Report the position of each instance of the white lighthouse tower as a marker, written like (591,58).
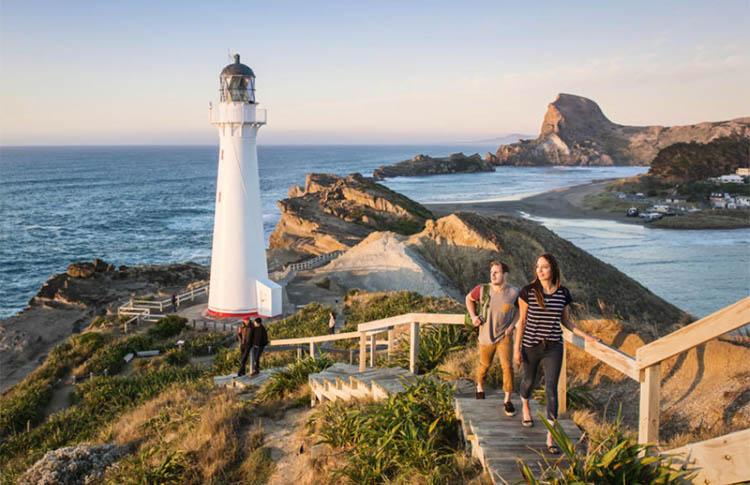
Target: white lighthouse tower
(239,274)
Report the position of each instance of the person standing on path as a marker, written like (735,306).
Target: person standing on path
(544,305)
(174,303)
(259,340)
(493,308)
(244,336)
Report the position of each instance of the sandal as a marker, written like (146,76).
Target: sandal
(553,449)
(527,423)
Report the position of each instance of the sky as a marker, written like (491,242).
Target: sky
(359,72)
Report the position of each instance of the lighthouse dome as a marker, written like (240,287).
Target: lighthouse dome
(237,83)
(237,69)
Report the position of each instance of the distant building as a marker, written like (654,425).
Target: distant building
(718,200)
(675,200)
(742,202)
(743,172)
(731,179)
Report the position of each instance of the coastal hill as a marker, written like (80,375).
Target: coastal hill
(688,162)
(426,165)
(575,131)
(332,213)
(453,249)
(450,256)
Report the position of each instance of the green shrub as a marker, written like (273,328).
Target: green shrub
(412,435)
(616,459)
(363,307)
(110,357)
(200,344)
(166,327)
(310,320)
(177,357)
(292,377)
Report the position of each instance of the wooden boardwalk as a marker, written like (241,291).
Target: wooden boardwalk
(498,441)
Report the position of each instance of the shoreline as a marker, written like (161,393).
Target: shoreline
(561,203)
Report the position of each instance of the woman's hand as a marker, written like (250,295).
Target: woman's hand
(517,357)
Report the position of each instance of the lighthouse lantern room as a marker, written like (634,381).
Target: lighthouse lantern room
(239,274)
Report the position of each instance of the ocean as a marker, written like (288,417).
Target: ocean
(154,204)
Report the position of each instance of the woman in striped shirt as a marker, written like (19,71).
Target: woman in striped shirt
(543,308)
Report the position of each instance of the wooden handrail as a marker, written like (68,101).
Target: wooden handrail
(609,355)
(315,339)
(718,323)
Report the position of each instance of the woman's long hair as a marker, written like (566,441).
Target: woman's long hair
(536,285)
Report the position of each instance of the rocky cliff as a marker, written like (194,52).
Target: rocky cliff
(332,213)
(575,131)
(426,165)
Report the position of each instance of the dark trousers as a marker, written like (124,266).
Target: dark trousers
(549,355)
(257,350)
(245,351)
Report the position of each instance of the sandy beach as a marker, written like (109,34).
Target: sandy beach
(564,203)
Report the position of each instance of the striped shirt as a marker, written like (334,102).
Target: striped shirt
(544,323)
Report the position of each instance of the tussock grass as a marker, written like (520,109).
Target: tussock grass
(411,437)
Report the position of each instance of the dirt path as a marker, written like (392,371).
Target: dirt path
(284,438)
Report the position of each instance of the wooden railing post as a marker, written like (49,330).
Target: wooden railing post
(362,351)
(648,423)
(562,383)
(312,349)
(372,350)
(413,346)
(391,333)
(299,353)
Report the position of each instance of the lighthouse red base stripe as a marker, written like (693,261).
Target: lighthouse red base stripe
(217,314)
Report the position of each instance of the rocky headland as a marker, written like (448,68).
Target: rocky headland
(426,165)
(67,302)
(575,131)
(332,213)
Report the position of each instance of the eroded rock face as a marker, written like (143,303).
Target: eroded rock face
(426,165)
(575,131)
(332,213)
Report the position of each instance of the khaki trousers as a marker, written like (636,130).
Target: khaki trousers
(487,352)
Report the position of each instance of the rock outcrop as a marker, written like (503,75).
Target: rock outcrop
(575,131)
(68,301)
(332,213)
(426,165)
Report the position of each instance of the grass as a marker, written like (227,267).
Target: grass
(435,344)
(311,320)
(365,307)
(289,379)
(96,402)
(411,437)
(617,458)
(23,406)
(707,219)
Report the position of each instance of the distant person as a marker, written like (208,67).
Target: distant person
(331,323)
(259,341)
(174,303)
(244,336)
(493,308)
(544,305)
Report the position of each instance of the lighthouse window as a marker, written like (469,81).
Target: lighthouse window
(222,155)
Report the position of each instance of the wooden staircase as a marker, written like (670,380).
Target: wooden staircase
(498,441)
(345,381)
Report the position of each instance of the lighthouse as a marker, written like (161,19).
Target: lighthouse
(239,274)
